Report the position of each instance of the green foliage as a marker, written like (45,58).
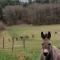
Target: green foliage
(9,2)
(1,13)
(30,1)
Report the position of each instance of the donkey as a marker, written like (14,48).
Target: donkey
(49,52)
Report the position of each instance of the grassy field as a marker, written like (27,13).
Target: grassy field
(32,48)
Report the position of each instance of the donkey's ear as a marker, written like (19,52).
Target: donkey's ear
(49,35)
(42,35)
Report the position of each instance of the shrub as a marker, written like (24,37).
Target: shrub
(2,26)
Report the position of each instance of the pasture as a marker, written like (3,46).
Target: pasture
(32,48)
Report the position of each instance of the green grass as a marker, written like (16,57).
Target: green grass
(32,45)
(7,56)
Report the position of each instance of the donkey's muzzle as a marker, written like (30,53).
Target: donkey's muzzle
(45,54)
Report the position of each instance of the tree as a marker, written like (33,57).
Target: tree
(38,1)
(30,1)
(54,1)
(1,12)
(46,1)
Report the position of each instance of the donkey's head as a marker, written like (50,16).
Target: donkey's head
(46,43)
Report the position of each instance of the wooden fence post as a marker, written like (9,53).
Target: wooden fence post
(24,43)
(3,42)
(12,44)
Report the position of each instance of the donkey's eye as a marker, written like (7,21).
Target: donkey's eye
(49,44)
(42,43)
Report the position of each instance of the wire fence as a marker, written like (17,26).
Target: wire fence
(19,44)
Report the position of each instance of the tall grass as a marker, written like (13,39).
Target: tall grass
(7,56)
